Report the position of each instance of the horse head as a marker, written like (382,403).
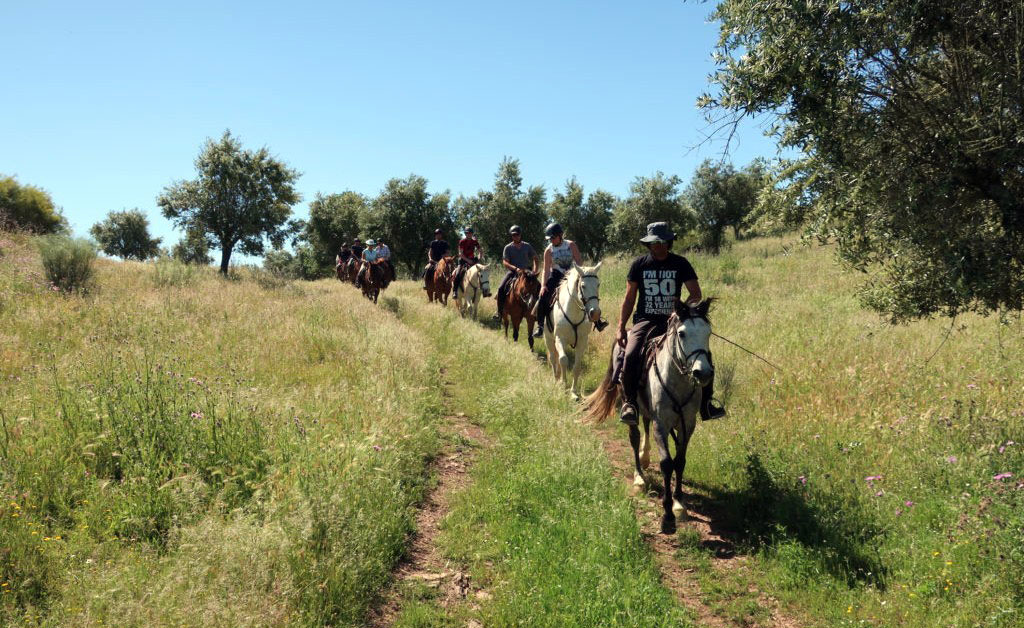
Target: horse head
(590,287)
(528,287)
(484,272)
(692,337)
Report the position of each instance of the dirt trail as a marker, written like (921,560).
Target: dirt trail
(424,562)
(716,537)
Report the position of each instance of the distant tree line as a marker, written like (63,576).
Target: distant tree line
(241,200)
(405,213)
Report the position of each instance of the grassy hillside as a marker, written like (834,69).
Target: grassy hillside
(180,449)
(869,481)
(206,453)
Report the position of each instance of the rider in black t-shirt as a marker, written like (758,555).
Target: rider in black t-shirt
(357,248)
(436,249)
(654,284)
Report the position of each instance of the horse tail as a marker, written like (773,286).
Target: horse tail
(598,405)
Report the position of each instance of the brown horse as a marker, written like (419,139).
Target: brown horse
(352,270)
(439,285)
(371,280)
(519,304)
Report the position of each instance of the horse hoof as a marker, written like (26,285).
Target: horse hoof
(575,397)
(645,462)
(638,480)
(668,524)
(678,510)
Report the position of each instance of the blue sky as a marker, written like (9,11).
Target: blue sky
(106,103)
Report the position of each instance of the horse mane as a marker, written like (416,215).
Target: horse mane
(674,321)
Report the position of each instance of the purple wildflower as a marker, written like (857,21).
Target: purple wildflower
(376,448)
(972,386)
(872,478)
(803,479)
(1002,476)
(879,493)
(951,459)
(196,415)
(908,504)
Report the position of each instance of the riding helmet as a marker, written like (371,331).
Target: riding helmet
(437,231)
(552,230)
(514,229)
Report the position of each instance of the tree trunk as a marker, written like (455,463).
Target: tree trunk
(225,257)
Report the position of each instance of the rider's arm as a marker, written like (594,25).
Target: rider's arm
(628,302)
(533,262)
(575,253)
(547,264)
(694,287)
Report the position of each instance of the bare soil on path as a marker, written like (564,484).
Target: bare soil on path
(423,562)
(717,537)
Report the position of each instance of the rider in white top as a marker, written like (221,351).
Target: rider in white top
(559,257)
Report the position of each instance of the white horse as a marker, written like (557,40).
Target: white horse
(476,283)
(575,307)
(670,397)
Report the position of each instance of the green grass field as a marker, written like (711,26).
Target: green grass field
(181,449)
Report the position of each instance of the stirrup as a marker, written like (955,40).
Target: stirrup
(627,414)
(539,332)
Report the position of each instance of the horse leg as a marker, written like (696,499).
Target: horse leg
(530,322)
(563,361)
(550,341)
(577,364)
(645,444)
(678,500)
(635,441)
(668,518)
(515,327)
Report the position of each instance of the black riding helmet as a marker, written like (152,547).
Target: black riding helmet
(514,229)
(552,230)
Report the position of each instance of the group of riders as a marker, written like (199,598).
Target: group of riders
(365,256)
(654,285)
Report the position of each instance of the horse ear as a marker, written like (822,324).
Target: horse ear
(596,267)
(681,307)
(702,309)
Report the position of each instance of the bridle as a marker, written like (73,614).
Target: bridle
(480,283)
(576,295)
(684,368)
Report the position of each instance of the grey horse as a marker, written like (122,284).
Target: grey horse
(678,365)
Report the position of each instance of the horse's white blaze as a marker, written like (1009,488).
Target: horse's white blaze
(575,304)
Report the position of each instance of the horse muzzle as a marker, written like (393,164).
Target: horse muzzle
(594,315)
(702,375)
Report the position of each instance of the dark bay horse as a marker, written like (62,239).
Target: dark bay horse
(371,280)
(352,270)
(519,304)
(439,284)
(678,364)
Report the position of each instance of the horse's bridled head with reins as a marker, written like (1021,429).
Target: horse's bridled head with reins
(690,331)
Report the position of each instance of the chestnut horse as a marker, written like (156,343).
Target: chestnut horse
(439,285)
(519,304)
(371,280)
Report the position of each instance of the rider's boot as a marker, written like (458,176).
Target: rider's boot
(539,332)
(709,410)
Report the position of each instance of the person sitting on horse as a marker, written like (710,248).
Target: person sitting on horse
(344,255)
(371,255)
(516,256)
(559,257)
(469,246)
(357,248)
(384,259)
(436,250)
(654,285)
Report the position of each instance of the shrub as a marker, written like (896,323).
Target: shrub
(68,262)
(168,271)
